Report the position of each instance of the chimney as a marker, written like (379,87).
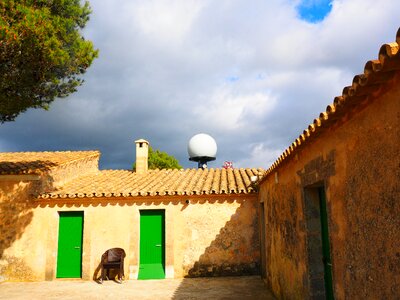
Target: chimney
(142,156)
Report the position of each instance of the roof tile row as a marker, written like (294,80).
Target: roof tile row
(123,183)
(18,163)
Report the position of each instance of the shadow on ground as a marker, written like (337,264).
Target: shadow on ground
(232,288)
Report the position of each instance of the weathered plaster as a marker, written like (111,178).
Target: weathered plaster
(209,236)
(358,162)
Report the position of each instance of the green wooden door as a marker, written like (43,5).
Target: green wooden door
(152,244)
(69,258)
(326,255)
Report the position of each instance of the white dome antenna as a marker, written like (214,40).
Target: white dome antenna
(202,148)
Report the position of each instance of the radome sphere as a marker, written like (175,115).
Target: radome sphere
(202,146)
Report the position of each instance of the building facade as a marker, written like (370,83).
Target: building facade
(330,210)
(59,214)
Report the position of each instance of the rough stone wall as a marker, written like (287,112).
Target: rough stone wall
(358,161)
(210,236)
(220,238)
(284,239)
(22,256)
(372,191)
(16,213)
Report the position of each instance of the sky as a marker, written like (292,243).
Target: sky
(252,74)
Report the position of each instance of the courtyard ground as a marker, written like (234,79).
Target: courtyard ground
(232,288)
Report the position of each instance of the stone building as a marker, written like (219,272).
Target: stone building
(330,209)
(203,222)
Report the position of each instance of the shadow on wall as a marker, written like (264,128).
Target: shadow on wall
(235,250)
(15,212)
(15,215)
(230,258)
(103,202)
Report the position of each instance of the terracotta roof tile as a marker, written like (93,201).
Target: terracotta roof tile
(239,181)
(377,74)
(17,163)
(215,183)
(192,182)
(121,183)
(208,181)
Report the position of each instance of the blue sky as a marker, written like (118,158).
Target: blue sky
(253,76)
(314,10)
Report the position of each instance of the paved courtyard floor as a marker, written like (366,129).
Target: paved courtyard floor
(247,287)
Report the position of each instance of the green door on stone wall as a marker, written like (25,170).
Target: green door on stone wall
(69,258)
(326,255)
(152,244)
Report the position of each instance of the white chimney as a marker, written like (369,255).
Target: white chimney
(142,156)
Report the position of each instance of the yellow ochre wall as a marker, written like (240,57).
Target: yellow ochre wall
(358,161)
(209,236)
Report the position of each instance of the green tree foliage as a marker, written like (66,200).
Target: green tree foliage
(161,160)
(42,52)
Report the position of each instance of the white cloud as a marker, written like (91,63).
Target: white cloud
(259,156)
(229,110)
(166,21)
